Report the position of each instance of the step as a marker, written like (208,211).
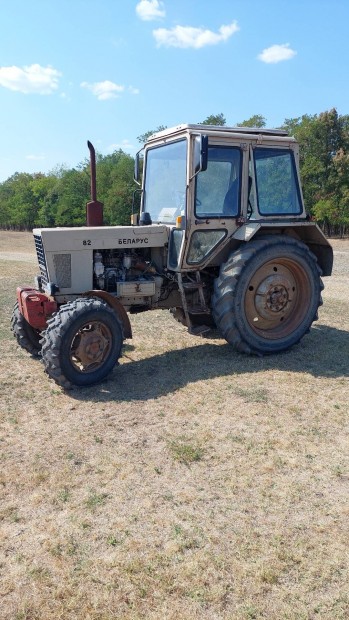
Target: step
(199,330)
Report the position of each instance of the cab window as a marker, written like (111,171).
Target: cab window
(276,182)
(217,191)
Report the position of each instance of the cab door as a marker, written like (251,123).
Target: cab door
(216,199)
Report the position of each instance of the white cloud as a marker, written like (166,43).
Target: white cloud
(30,79)
(277,53)
(187,36)
(35,157)
(104,90)
(124,145)
(133,90)
(149,10)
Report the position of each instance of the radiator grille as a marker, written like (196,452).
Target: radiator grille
(41,258)
(62,265)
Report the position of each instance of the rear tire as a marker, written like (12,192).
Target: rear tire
(267,295)
(82,343)
(27,337)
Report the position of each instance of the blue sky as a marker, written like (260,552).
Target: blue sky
(109,70)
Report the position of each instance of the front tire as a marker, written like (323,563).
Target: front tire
(267,295)
(82,343)
(27,337)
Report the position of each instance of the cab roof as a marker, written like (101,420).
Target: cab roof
(214,129)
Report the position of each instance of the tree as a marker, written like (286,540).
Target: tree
(144,136)
(324,145)
(43,189)
(116,186)
(255,121)
(6,192)
(20,203)
(215,119)
(59,197)
(73,192)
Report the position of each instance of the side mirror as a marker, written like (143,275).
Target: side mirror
(200,154)
(137,168)
(204,153)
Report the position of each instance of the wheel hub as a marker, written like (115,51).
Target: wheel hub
(273,295)
(93,343)
(277,298)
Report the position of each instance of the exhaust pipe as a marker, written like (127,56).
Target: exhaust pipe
(94,208)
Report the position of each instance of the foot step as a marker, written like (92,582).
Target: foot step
(199,330)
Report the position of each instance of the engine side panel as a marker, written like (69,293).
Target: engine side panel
(70,254)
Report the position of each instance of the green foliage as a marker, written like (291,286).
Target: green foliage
(5,208)
(59,197)
(215,119)
(115,187)
(43,188)
(72,194)
(324,164)
(145,136)
(18,203)
(255,121)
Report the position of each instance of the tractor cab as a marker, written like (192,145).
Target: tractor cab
(209,182)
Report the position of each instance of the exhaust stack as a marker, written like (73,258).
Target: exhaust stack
(94,208)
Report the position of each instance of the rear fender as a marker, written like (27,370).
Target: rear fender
(306,231)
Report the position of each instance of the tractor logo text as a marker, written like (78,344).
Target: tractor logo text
(133,241)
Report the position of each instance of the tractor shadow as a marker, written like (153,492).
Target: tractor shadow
(322,353)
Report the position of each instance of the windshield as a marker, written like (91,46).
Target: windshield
(165,182)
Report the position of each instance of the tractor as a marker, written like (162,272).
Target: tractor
(222,239)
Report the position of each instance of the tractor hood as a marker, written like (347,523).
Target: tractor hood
(102,237)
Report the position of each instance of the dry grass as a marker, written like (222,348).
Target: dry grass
(196,483)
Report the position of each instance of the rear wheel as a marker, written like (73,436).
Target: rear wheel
(82,343)
(27,337)
(267,295)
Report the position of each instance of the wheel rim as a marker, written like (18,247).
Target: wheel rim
(91,346)
(277,298)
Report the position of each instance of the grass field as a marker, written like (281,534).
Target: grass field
(195,483)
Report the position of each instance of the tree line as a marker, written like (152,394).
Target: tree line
(58,198)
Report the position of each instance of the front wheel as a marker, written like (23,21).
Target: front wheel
(27,337)
(82,343)
(267,295)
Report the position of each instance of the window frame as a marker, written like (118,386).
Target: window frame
(239,177)
(295,177)
(207,231)
(161,146)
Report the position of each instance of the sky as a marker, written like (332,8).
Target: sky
(110,70)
